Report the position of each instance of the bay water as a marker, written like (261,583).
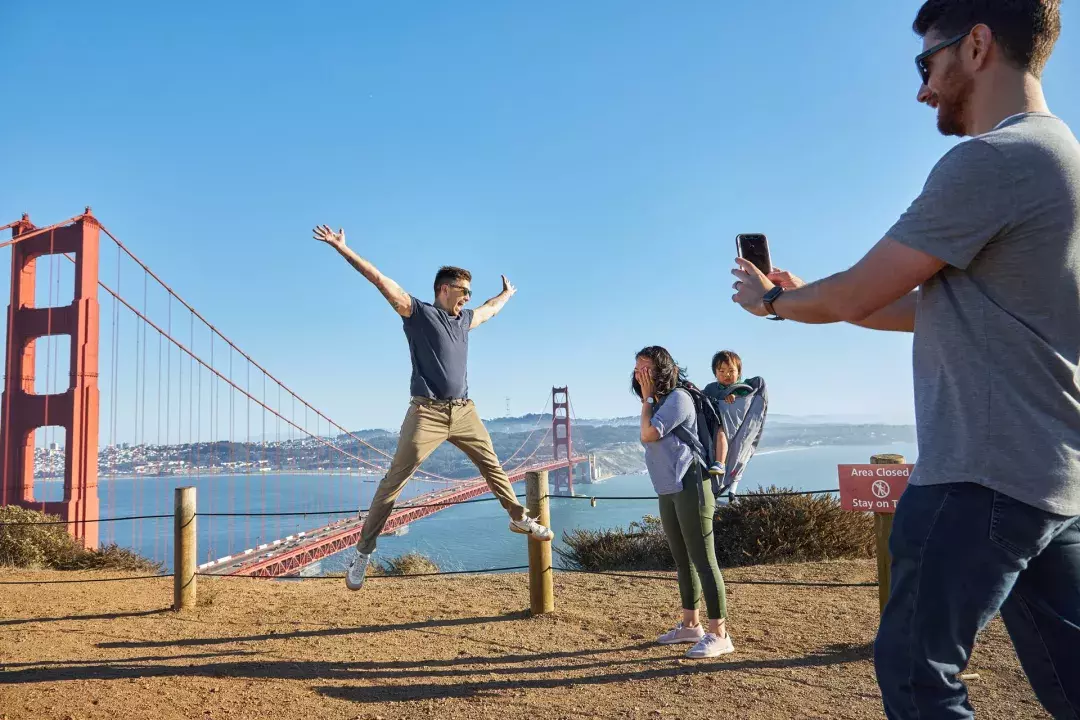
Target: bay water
(462,537)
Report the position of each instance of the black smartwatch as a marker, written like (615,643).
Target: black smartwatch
(769,299)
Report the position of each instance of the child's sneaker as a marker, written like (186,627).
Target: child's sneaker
(681,634)
(711,646)
(717,468)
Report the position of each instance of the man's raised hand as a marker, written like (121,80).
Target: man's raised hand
(323,233)
(508,289)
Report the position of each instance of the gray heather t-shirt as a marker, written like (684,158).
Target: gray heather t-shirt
(669,458)
(439,348)
(997,331)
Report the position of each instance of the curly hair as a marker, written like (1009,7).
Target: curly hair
(667,374)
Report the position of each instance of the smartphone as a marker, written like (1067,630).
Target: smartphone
(754,247)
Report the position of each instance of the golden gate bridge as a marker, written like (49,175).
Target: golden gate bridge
(152,368)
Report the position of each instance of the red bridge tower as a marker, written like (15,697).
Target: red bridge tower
(22,411)
(560,438)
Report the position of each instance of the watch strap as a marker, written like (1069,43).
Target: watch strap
(768,300)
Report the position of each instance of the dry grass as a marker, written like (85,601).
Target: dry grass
(50,546)
(460,648)
(412,563)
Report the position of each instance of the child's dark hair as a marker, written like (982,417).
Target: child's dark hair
(726,356)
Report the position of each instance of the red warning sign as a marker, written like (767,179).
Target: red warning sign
(872,488)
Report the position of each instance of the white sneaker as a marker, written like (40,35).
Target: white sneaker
(529,526)
(354,579)
(711,646)
(681,634)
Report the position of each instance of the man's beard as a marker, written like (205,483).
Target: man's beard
(953,104)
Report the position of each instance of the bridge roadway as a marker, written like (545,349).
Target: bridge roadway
(286,557)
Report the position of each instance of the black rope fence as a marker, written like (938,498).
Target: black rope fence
(83,580)
(638,576)
(479,571)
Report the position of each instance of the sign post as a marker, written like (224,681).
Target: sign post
(876,488)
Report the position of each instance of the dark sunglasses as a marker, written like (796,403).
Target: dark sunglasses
(921,58)
(463,290)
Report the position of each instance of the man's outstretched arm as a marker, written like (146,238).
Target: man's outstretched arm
(492,307)
(400,300)
(876,292)
(896,317)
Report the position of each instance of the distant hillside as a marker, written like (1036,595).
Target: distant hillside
(615,440)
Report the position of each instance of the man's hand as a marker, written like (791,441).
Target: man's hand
(750,287)
(336,240)
(492,307)
(785,279)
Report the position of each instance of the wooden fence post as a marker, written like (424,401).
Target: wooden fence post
(184,549)
(541,587)
(882,530)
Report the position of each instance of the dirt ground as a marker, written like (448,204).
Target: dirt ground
(452,647)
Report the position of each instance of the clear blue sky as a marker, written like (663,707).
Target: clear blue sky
(601,154)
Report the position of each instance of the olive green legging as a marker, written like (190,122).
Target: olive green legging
(689,528)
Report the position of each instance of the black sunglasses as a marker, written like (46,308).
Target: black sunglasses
(462,289)
(921,58)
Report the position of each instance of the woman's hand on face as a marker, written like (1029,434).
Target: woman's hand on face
(646,382)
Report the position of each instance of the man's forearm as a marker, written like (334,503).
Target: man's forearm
(390,290)
(895,317)
(824,301)
(833,300)
(495,304)
(363,266)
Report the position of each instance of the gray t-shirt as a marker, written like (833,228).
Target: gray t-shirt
(439,348)
(997,331)
(669,458)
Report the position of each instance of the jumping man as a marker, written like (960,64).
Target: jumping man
(440,410)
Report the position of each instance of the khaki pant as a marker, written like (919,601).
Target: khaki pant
(428,424)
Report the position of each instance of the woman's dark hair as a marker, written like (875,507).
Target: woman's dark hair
(667,374)
(726,356)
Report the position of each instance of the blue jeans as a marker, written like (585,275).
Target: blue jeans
(961,553)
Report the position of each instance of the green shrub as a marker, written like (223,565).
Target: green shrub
(51,547)
(755,529)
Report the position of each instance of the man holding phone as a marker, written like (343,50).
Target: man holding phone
(440,411)
(984,269)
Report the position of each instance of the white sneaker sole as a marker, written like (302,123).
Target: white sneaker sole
(353,586)
(726,651)
(693,641)
(519,531)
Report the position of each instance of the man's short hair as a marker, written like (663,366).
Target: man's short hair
(450,274)
(1026,30)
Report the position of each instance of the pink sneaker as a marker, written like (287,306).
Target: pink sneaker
(682,635)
